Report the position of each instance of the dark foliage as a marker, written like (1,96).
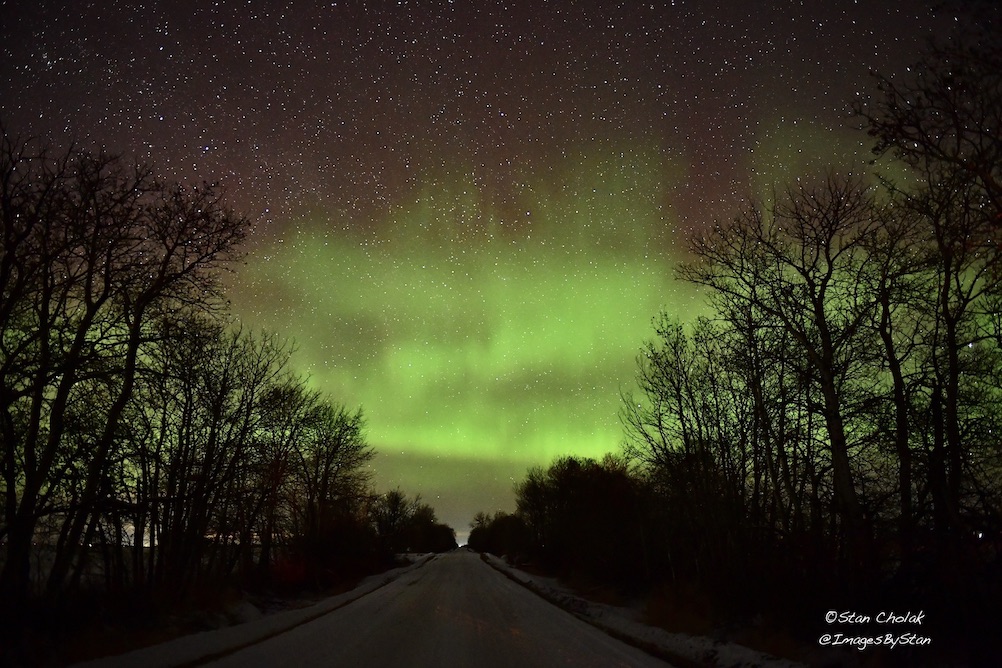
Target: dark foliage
(503,534)
(407,525)
(584,518)
(578,517)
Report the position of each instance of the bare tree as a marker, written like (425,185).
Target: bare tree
(330,475)
(92,249)
(804,264)
(392,514)
(942,120)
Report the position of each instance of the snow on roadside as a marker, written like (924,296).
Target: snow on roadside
(677,647)
(201,647)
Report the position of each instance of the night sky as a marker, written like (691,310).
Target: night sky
(466,214)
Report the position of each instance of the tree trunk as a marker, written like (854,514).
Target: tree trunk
(902,433)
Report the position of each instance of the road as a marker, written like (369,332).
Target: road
(453,611)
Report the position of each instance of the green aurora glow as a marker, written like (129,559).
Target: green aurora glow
(467,329)
(483,335)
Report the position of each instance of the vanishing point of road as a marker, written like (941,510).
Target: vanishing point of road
(453,611)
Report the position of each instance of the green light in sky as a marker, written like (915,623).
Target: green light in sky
(481,329)
(788,149)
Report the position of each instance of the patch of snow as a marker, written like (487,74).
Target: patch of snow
(202,647)
(622,623)
(242,612)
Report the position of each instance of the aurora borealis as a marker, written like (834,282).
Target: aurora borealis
(482,340)
(466,213)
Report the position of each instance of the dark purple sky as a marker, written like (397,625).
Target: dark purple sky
(347,105)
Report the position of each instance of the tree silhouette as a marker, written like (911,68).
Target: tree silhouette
(802,263)
(942,121)
(408,525)
(93,250)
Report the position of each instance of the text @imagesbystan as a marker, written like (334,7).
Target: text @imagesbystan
(865,635)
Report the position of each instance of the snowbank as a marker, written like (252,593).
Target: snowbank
(678,648)
(201,647)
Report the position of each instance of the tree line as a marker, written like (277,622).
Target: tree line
(830,431)
(151,446)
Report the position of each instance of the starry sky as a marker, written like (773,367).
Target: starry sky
(466,213)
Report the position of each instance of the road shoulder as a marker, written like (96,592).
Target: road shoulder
(199,648)
(679,649)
